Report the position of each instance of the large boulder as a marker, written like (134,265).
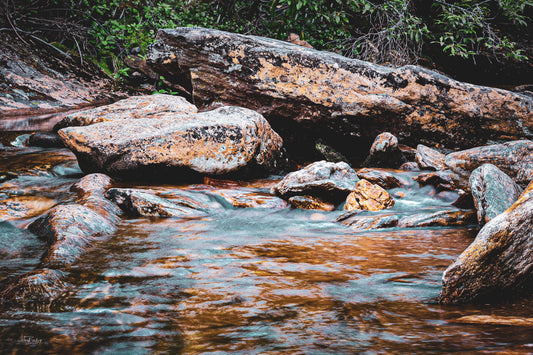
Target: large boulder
(513,158)
(346,101)
(330,181)
(499,263)
(222,141)
(148,106)
(493,192)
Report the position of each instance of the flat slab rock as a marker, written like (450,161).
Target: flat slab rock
(143,203)
(147,106)
(498,265)
(217,142)
(326,180)
(348,97)
(443,217)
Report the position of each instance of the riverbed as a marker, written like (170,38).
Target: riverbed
(263,279)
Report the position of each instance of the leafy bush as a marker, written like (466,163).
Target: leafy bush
(384,31)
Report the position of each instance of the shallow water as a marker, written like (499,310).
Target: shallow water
(244,280)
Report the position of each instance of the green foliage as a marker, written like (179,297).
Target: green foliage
(384,31)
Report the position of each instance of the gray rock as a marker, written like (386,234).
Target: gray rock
(143,203)
(330,181)
(493,192)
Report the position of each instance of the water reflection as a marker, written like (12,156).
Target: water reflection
(244,280)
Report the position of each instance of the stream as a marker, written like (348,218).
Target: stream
(269,279)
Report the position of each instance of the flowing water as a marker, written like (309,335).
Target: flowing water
(241,280)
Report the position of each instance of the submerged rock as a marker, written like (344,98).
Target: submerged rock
(428,158)
(36,289)
(143,203)
(329,96)
(135,107)
(310,203)
(499,263)
(330,181)
(70,230)
(493,192)
(443,217)
(513,158)
(222,141)
(244,199)
(369,197)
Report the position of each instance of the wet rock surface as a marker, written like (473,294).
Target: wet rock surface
(310,203)
(36,80)
(348,99)
(218,142)
(243,199)
(513,158)
(498,264)
(135,107)
(330,181)
(447,216)
(428,158)
(144,203)
(493,192)
(368,197)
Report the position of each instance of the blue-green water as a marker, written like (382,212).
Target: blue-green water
(242,280)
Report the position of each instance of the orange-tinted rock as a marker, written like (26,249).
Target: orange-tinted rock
(295,39)
(135,107)
(369,197)
(142,203)
(498,263)
(13,206)
(345,99)
(310,203)
(330,181)
(493,192)
(379,177)
(428,158)
(513,158)
(223,141)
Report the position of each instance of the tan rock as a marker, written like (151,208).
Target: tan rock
(310,203)
(369,197)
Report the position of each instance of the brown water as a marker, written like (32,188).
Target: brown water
(242,280)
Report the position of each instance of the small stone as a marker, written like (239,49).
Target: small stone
(409,166)
(428,158)
(384,152)
(379,177)
(45,140)
(369,197)
(310,203)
